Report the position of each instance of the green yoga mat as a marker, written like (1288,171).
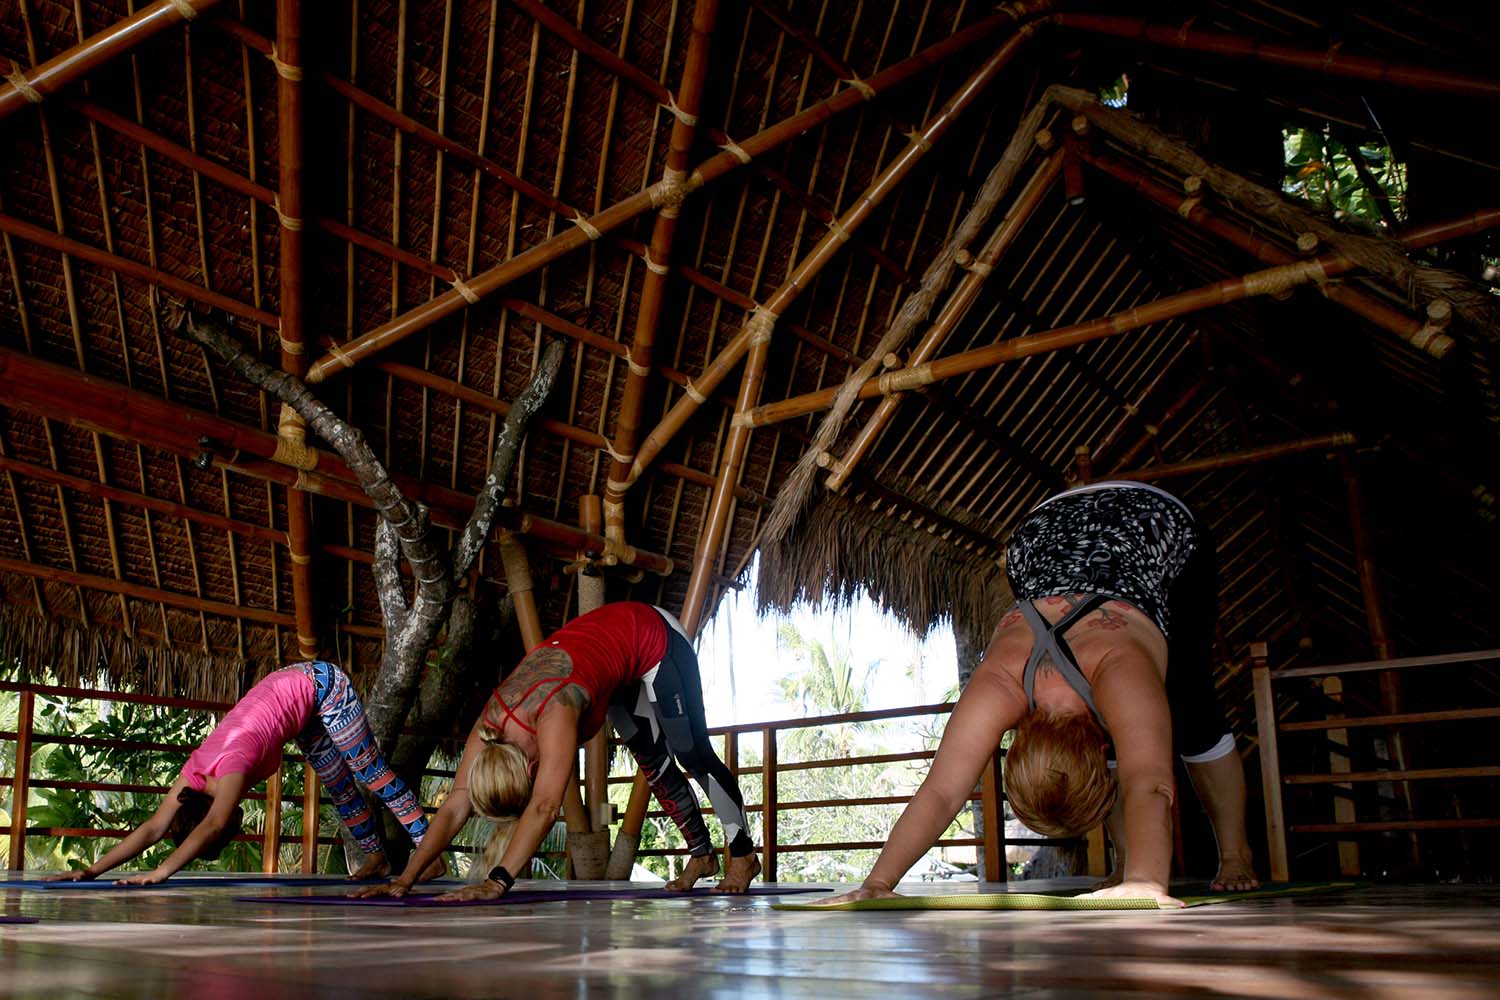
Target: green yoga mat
(1036,901)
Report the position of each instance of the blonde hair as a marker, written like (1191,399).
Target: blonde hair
(1056,777)
(499,780)
(499,788)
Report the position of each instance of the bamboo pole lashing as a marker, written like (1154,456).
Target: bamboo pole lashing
(1427,337)
(658,260)
(757,331)
(979,269)
(23,88)
(1263,282)
(622,212)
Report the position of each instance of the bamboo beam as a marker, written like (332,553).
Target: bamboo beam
(1323,442)
(1379,255)
(1152,431)
(658,266)
(26,87)
(93,487)
(1332,61)
(585,229)
(1420,335)
(289,214)
(1219,293)
(141,272)
(957,307)
(110,585)
(755,336)
(93,403)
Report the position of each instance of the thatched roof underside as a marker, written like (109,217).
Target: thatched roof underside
(444,139)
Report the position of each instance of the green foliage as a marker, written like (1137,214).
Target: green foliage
(1322,170)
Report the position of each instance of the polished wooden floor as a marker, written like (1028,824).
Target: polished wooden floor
(1407,942)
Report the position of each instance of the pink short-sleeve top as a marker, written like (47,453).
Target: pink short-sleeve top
(248,739)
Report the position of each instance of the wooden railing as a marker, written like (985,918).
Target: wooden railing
(1340,775)
(26,738)
(770,807)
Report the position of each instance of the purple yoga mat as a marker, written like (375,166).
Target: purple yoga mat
(17,920)
(523,896)
(105,885)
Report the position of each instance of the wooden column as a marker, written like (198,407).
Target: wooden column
(596,751)
(518,582)
(992,795)
(21,783)
(310,817)
(768,806)
(270,839)
(1270,763)
(1380,640)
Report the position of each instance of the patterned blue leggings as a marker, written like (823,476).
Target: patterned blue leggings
(339,740)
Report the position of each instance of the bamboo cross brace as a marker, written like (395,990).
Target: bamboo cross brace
(1381,256)
(24,88)
(956,308)
(1264,282)
(598,225)
(754,337)
(1414,332)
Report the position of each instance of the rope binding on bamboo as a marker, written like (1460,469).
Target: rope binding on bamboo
(17,78)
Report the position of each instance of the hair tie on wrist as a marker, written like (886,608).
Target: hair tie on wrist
(500,874)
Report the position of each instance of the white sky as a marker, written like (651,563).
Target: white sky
(878,644)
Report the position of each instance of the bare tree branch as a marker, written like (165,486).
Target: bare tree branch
(387,570)
(507,447)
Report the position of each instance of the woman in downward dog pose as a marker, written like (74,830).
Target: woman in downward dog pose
(627,661)
(312,703)
(1109,643)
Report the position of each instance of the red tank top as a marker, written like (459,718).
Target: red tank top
(610,647)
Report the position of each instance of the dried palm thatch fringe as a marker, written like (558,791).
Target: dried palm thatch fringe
(1382,256)
(48,650)
(841,548)
(793,496)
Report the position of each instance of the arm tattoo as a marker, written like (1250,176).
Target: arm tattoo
(546,663)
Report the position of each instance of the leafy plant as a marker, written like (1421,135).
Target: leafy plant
(1363,180)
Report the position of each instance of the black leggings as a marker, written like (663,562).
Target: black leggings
(661,718)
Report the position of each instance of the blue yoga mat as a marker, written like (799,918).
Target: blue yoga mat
(192,883)
(524,896)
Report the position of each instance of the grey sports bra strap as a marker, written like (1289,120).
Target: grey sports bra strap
(1046,641)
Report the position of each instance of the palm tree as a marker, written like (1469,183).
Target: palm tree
(825,686)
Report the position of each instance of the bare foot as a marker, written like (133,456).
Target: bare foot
(375,866)
(696,868)
(437,869)
(737,877)
(1109,882)
(1236,874)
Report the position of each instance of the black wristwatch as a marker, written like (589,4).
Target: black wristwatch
(500,874)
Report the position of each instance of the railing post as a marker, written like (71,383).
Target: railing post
(271,834)
(21,784)
(1270,762)
(1339,761)
(309,819)
(768,805)
(992,799)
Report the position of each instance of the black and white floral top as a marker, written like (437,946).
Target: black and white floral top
(1127,540)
